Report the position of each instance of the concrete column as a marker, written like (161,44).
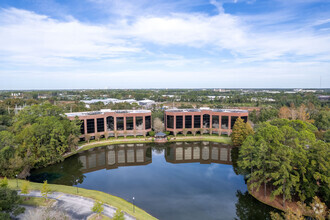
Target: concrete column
(184,121)
(192,121)
(229,125)
(105,124)
(124,123)
(144,122)
(114,123)
(211,125)
(201,121)
(134,123)
(85,126)
(174,122)
(95,125)
(220,123)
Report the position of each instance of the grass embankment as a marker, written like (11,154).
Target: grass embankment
(141,140)
(111,200)
(36,201)
(212,138)
(277,202)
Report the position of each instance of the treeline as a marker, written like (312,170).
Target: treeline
(285,157)
(38,135)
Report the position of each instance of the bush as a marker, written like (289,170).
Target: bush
(4,182)
(151,133)
(119,215)
(25,189)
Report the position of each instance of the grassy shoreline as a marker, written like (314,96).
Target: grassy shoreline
(108,199)
(142,140)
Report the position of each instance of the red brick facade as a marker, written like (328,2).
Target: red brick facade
(222,114)
(124,114)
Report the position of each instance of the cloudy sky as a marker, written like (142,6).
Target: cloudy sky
(164,44)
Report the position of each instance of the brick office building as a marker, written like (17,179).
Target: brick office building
(204,119)
(128,122)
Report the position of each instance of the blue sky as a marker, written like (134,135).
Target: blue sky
(49,44)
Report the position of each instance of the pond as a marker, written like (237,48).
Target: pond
(194,180)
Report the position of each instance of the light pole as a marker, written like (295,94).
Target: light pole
(16,181)
(133,206)
(77,185)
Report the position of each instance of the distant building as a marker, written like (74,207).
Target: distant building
(147,103)
(324,97)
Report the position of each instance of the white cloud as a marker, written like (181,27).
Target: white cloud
(26,36)
(253,48)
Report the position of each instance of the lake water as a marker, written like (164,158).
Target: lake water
(194,180)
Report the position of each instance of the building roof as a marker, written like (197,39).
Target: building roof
(203,109)
(103,111)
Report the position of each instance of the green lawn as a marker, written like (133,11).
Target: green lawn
(97,195)
(36,201)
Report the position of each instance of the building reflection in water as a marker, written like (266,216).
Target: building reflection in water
(114,156)
(202,152)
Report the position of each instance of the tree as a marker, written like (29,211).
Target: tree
(45,190)
(240,131)
(286,155)
(326,136)
(119,215)
(115,133)
(194,131)
(98,208)
(4,182)
(185,132)
(158,125)
(97,136)
(87,138)
(106,135)
(284,112)
(9,203)
(25,188)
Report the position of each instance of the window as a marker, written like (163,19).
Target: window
(179,122)
(148,122)
(206,121)
(110,123)
(215,121)
(233,120)
(90,126)
(100,124)
(197,121)
(120,123)
(245,119)
(170,121)
(224,122)
(188,121)
(139,123)
(82,127)
(129,123)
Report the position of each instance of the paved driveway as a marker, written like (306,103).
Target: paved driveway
(77,207)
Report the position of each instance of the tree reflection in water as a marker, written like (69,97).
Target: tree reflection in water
(248,208)
(65,173)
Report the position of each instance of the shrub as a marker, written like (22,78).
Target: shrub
(25,189)
(4,182)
